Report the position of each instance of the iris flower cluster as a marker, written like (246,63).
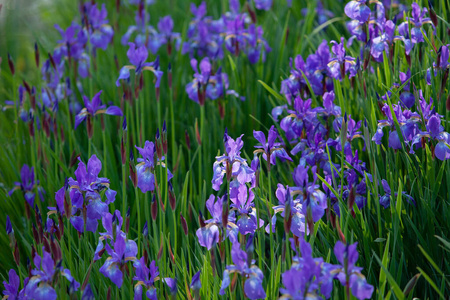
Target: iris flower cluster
(84,205)
(206,37)
(312,278)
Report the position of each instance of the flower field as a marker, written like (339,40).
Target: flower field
(233,149)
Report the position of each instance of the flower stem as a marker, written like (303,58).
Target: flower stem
(139,220)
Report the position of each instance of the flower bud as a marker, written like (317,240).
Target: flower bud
(90,127)
(188,140)
(172,199)
(145,230)
(16,254)
(164,138)
(11,65)
(36,55)
(158,144)
(432,13)
(184,224)
(197,133)
(154,208)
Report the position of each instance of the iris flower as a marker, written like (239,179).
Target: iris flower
(138,62)
(94,107)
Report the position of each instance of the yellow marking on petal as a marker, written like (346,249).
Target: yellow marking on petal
(148,68)
(258,151)
(331,63)
(51,212)
(101,111)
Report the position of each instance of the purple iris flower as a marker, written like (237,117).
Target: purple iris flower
(270,149)
(341,61)
(434,131)
(243,204)
(196,284)
(146,166)
(263,4)
(308,276)
(298,219)
(353,131)
(418,20)
(73,41)
(123,252)
(316,71)
(145,35)
(113,226)
(88,294)
(87,206)
(407,121)
(385,200)
(384,41)
(167,36)
(100,32)
(347,255)
(231,164)
(27,184)
(43,276)
(204,35)
(172,284)
(95,107)
(357,10)
(322,14)
(146,277)
(208,236)
(253,276)
(407,98)
(12,287)
(443,56)
(137,58)
(314,201)
(208,85)
(299,118)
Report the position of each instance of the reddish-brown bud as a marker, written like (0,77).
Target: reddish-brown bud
(154,208)
(16,254)
(184,224)
(197,133)
(188,140)
(108,294)
(351,198)
(172,198)
(447,104)
(90,127)
(11,65)
(36,55)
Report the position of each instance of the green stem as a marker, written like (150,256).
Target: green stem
(139,220)
(172,125)
(104,153)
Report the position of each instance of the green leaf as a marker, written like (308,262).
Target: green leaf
(272,91)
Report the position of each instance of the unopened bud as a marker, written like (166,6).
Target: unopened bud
(11,65)
(36,55)
(172,199)
(188,140)
(184,224)
(154,208)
